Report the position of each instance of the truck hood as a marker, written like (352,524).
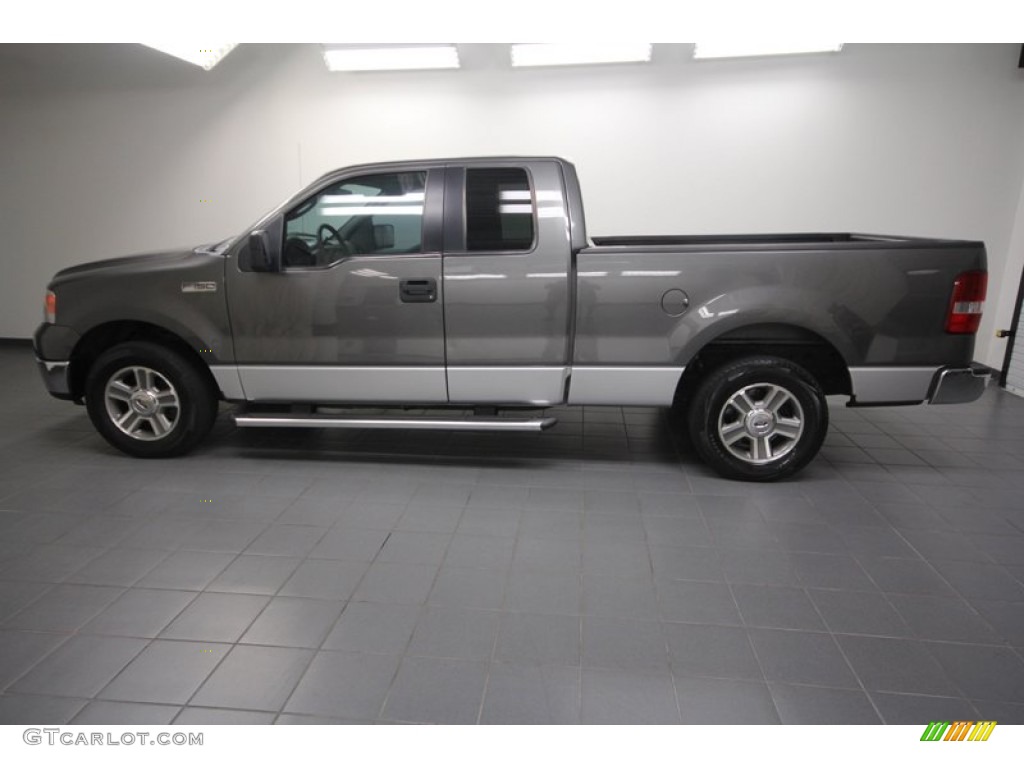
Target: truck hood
(162,261)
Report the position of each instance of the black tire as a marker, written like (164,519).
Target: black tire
(180,396)
(742,437)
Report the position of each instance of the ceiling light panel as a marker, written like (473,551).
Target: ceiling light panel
(391,58)
(205,55)
(562,54)
(735,50)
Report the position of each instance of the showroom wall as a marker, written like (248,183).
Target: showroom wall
(1004,295)
(922,140)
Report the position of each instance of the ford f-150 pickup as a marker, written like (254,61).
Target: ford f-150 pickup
(471,285)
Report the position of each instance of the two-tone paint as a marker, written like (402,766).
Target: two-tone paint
(615,321)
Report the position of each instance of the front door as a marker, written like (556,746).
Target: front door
(355,315)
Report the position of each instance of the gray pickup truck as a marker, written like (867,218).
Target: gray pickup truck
(469,287)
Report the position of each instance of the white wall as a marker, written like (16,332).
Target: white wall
(1005,296)
(922,140)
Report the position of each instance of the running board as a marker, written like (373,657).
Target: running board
(397,422)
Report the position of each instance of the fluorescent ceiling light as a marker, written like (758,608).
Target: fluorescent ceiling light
(205,55)
(731,50)
(391,58)
(559,54)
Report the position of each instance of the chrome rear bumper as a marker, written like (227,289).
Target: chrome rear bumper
(958,385)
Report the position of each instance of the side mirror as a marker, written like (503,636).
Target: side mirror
(263,256)
(384,236)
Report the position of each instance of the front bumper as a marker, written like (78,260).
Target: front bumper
(54,342)
(958,385)
(55,377)
(53,345)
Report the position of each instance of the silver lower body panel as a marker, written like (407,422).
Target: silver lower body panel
(228,381)
(624,385)
(507,385)
(470,385)
(340,384)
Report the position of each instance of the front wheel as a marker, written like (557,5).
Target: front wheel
(149,401)
(758,418)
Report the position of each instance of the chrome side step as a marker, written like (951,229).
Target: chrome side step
(465,424)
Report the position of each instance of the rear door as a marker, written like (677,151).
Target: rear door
(356,313)
(506,283)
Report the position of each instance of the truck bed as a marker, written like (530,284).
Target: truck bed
(878,301)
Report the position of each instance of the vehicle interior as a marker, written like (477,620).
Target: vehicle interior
(370,215)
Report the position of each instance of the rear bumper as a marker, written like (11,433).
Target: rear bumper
(958,385)
(55,377)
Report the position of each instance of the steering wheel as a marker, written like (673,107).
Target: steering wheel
(332,234)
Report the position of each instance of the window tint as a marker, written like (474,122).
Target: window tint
(499,210)
(378,214)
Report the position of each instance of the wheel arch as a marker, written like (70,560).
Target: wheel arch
(804,347)
(104,336)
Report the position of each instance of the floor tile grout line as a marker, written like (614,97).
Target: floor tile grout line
(753,650)
(320,649)
(953,587)
(235,643)
(421,611)
(846,659)
(666,646)
(492,660)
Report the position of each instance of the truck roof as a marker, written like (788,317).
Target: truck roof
(434,162)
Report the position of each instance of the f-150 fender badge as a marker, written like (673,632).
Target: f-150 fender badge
(207,287)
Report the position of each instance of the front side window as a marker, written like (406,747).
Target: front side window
(499,210)
(379,214)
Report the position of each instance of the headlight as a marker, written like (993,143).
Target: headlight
(50,307)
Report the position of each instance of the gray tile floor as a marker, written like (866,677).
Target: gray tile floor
(589,574)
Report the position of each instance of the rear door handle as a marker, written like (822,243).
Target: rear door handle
(417,291)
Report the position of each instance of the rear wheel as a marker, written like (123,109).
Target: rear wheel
(149,401)
(758,418)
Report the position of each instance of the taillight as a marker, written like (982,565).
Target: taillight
(967,302)
(50,307)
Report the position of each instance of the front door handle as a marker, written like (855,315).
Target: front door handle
(417,291)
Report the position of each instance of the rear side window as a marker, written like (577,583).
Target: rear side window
(499,210)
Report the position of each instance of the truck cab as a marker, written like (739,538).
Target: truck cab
(371,288)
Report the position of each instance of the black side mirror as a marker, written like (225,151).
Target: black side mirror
(263,256)
(383,236)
